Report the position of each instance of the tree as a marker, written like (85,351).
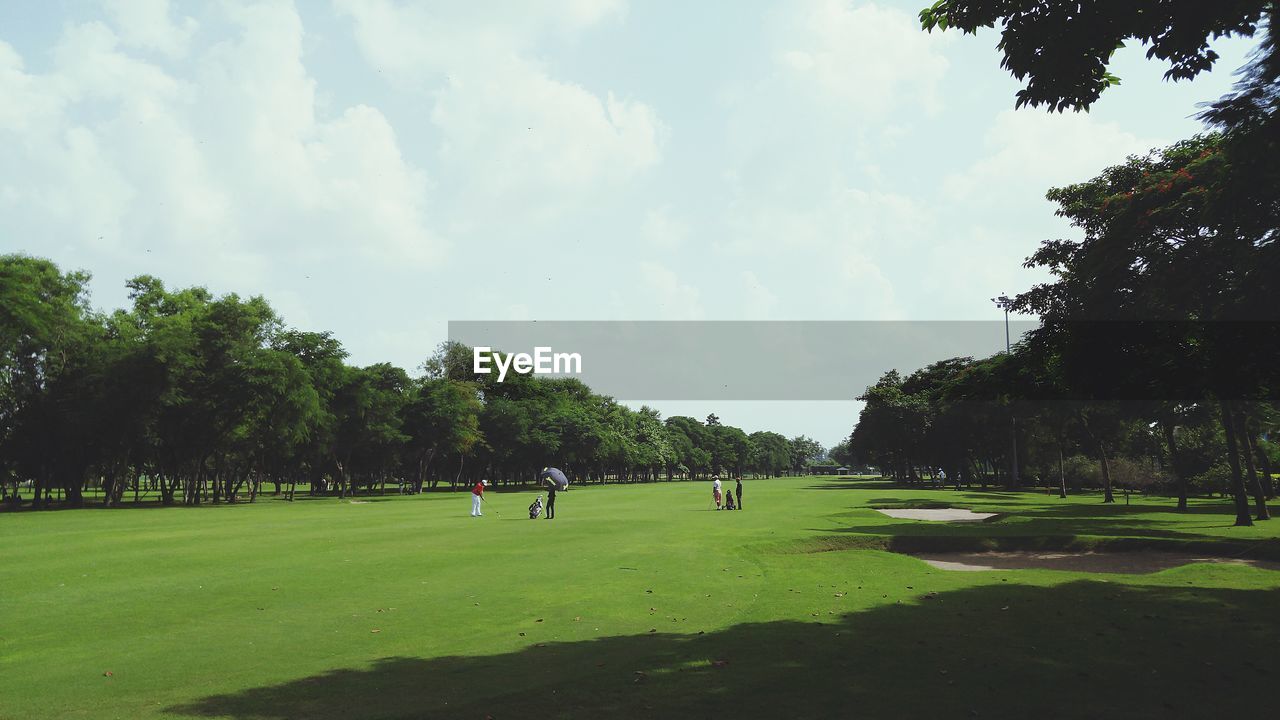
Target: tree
(891,427)
(1158,256)
(1062,50)
(770,452)
(321,357)
(441,417)
(44,323)
(840,453)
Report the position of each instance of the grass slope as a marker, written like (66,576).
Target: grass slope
(634,602)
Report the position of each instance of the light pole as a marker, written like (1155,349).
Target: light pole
(1004,302)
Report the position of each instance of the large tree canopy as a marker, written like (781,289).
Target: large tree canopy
(1062,50)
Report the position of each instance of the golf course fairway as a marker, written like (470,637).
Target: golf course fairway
(636,601)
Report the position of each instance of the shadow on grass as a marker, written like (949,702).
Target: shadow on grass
(979,537)
(1084,649)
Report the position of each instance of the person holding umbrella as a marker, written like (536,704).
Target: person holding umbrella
(477,495)
(555,480)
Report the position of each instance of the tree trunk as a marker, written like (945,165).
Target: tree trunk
(1268,487)
(1062,472)
(1259,498)
(1178,477)
(1107,496)
(1233,459)
(1014,480)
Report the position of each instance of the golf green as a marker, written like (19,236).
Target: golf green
(636,601)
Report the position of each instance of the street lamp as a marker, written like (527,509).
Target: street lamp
(1004,302)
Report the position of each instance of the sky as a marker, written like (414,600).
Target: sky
(378,168)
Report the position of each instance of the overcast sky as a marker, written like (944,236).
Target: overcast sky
(377,168)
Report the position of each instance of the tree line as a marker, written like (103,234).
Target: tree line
(190,398)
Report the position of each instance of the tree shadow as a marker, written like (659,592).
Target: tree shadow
(1083,649)
(1058,535)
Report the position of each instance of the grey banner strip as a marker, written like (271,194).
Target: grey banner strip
(735,360)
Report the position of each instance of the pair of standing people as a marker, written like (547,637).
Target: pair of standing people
(726,501)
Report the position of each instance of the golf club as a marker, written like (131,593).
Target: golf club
(486,503)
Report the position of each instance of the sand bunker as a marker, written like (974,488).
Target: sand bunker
(937,514)
(1129,563)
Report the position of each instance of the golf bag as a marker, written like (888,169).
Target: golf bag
(728,500)
(535,509)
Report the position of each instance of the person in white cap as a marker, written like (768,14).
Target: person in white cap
(477,495)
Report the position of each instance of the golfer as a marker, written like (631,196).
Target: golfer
(715,489)
(477,496)
(551,501)
(739,492)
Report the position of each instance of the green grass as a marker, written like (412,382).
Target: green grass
(634,602)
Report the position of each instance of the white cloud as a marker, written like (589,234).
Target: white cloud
(148,24)
(851,249)
(667,294)
(413,40)
(861,57)
(221,156)
(511,132)
(663,230)
(1028,152)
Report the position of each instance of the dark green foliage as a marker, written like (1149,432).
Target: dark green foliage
(191,398)
(1062,50)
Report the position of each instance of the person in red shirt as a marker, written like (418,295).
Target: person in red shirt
(477,495)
